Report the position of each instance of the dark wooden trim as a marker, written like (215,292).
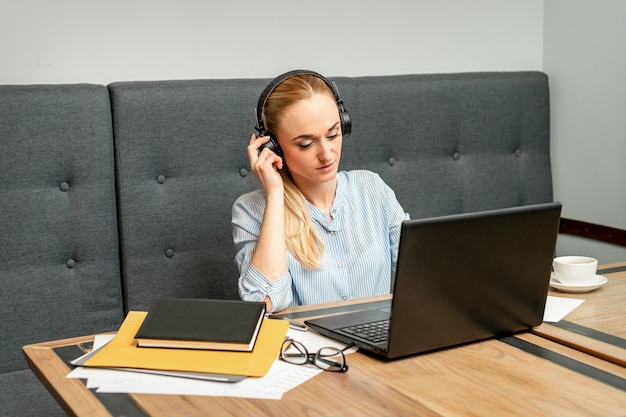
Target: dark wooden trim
(593,231)
(591,333)
(572,364)
(606,270)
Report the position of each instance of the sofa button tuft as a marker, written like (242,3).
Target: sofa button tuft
(161,179)
(71,263)
(518,152)
(456,156)
(391,161)
(243,172)
(64,186)
(169,253)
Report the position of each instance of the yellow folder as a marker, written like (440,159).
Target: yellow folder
(122,352)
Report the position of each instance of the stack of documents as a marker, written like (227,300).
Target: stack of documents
(123,352)
(280,378)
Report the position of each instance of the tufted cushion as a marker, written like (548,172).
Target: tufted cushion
(58,230)
(452,143)
(181,164)
(446,143)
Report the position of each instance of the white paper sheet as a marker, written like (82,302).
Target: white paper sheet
(98,342)
(280,378)
(559,307)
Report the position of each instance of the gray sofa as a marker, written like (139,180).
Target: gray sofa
(114,195)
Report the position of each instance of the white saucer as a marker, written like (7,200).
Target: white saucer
(596,282)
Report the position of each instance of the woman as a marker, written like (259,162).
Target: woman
(312,234)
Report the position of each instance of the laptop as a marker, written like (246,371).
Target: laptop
(459,279)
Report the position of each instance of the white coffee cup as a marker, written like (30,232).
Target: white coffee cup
(574,269)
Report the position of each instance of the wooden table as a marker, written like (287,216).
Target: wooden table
(520,375)
(598,326)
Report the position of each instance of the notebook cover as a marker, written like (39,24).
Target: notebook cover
(201,324)
(123,352)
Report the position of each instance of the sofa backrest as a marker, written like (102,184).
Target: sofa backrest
(59,263)
(453,143)
(446,143)
(181,162)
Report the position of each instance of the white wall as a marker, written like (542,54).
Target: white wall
(67,41)
(585,58)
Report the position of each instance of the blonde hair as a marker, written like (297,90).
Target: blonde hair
(302,240)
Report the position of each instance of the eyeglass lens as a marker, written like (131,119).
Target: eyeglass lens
(329,359)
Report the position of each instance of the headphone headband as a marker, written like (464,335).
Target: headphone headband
(346,124)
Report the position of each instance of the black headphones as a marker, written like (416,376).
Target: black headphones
(272,144)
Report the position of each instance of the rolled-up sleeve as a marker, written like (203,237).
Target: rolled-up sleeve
(247,215)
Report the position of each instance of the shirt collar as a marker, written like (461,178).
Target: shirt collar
(335,209)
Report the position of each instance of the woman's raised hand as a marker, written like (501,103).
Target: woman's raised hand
(265,164)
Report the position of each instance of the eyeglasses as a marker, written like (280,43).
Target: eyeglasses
(327,358)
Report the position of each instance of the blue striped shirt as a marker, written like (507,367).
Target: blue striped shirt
(360,245)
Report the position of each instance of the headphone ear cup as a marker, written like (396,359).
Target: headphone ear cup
(272,145)
(346,122)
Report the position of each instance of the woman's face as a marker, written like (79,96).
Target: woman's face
(310,137)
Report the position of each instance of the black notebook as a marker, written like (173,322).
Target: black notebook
(191,323)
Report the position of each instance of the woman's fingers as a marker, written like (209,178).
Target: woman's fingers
(264,164)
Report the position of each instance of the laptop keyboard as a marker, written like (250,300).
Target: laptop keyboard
(374,332)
